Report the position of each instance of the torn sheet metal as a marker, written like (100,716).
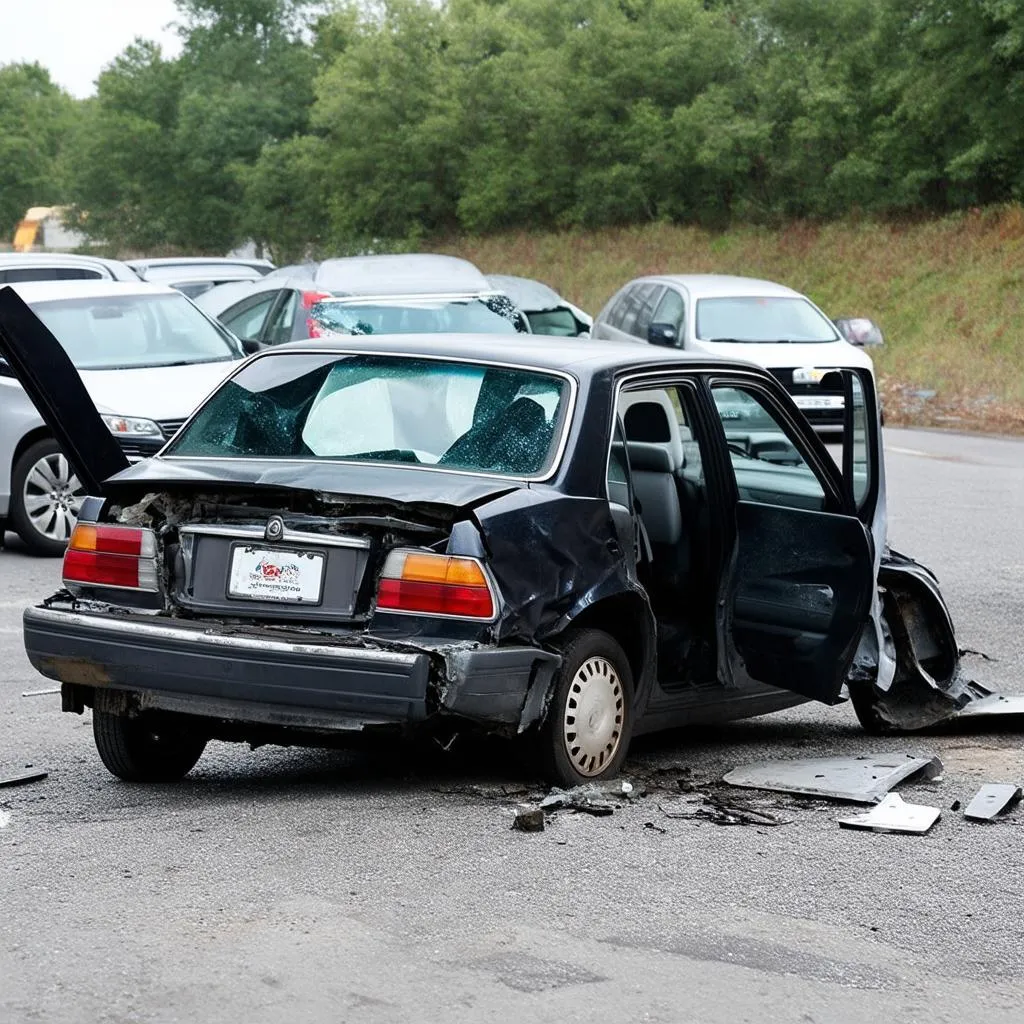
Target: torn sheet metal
(863,780)
(893,814)
(21,778)
(994,704)
(914,630)
(992,799)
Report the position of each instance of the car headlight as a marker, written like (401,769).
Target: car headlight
(131,425)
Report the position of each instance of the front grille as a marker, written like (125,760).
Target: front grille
(819,418)
(170,427)
(139,449)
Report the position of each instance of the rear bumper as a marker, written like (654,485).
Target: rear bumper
(291,680)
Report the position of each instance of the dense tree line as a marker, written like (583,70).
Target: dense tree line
(312,122)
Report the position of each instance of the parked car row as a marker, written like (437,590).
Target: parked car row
(148,355)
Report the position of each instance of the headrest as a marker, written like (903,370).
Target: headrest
(648,422)
(651,458)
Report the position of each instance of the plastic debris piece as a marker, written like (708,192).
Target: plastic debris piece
(41,693)
(993,798)
(893,814)
(529,819)
(865,779)
(21,778)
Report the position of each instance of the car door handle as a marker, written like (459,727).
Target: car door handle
(613,546)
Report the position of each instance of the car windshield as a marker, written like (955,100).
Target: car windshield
(483,314)
(385,409)
(762,320)
(118,332)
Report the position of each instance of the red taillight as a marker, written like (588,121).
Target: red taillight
(430,584)
(111,556)
(309,300)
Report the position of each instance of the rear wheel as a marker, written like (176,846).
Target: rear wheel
(46,496)
(148,748)
(590,719)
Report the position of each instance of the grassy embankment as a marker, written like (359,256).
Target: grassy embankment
(948,294)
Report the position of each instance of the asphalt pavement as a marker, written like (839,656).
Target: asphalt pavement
(387,886)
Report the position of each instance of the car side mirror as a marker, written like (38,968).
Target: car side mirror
(662,334)
(860,331)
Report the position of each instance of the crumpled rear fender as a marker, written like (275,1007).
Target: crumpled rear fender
(909,654)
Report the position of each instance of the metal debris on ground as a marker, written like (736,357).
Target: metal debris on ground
(599,799)
(992,705)
(529,819)
(21,778)
(719,811)
(893,814)
(865,779)
(41,693)
(992,799)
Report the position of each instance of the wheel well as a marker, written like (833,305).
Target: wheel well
(39,434)
(625,618)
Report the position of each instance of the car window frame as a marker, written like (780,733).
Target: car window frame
(284,296)
(799,432)
(680,323)
(646,307)
(243,306)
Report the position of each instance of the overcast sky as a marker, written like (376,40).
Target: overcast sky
(76,39)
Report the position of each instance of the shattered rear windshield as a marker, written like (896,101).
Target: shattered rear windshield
(438,314)
(384,409)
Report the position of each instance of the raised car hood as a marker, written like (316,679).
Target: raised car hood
(829,353)
(386,483)
(155,393)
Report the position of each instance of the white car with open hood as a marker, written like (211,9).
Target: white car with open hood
(147,357)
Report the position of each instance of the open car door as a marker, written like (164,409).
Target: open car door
(50,379)
(799,587)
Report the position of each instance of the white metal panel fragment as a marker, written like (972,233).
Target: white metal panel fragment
(994,704)
(893,814)
(865,779)
(992,799)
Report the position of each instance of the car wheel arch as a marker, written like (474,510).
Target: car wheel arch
(41,433)
(627,618)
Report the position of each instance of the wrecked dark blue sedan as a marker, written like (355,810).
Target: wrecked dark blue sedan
(567,542)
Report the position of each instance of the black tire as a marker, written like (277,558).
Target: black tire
(561,764)
(21,522)
(149,748)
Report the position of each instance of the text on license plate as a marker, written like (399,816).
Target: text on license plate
(268,574)
(818,402)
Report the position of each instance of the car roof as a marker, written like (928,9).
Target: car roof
(64,259)
(190,261)
(529,295)
(52,291)
(723,285)
(204,272)
(582,356)
(392,274)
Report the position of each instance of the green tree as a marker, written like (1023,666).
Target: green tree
(35,115)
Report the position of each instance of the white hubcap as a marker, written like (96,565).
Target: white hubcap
(52,496)
(594,713)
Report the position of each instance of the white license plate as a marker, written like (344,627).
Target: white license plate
(818,402)
(269,574)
